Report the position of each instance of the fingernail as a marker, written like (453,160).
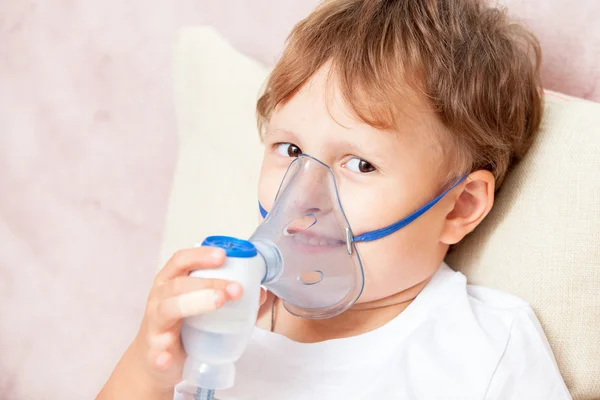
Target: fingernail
(198,302)
(234,289)
(216,254)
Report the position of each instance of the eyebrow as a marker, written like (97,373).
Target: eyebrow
(270,132)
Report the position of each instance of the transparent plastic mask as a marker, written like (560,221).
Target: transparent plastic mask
(321,273)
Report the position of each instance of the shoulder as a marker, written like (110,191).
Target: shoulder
(492,339)
(527,367)
(507,337)
(494,309)
(489,309)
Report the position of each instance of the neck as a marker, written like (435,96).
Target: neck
(361,318)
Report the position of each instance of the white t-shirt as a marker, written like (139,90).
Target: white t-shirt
(453,342)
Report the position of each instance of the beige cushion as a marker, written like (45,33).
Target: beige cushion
(542,245)
(542,239)
(216,176)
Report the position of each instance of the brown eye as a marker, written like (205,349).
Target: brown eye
(361,166)
(294,151)
(288,150)
(365,167)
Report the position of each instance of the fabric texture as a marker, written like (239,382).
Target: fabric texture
(475,343)
(541,241)
(216,176)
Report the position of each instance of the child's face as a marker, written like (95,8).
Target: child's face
(382,176)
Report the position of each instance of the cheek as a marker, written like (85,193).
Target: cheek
(268,183)
(371,207)
(401,260)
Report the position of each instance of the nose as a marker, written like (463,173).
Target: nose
(314,187)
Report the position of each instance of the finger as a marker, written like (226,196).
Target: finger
(171,310)
(162,360)
(165,353)
(184,261)
(165,341)
(186,284)
(167,363)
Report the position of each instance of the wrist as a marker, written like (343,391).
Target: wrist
(132,379)
(146,382)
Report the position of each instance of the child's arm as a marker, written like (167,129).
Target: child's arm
(129,380)
(153,363)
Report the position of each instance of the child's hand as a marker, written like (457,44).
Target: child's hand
(174,296)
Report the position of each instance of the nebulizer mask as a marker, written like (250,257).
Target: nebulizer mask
(304,252)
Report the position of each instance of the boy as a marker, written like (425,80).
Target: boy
(401,99)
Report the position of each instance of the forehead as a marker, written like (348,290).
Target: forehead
(317,102)
(319,106)
(317,119)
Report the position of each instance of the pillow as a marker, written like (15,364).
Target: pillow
(542,245)
(541,240)
(216,177)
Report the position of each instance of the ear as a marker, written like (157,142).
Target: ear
(471,206)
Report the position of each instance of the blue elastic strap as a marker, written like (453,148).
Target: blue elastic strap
(263,212)
(388,230)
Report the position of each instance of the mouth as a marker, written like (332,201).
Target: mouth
(311,239)
(305,235)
